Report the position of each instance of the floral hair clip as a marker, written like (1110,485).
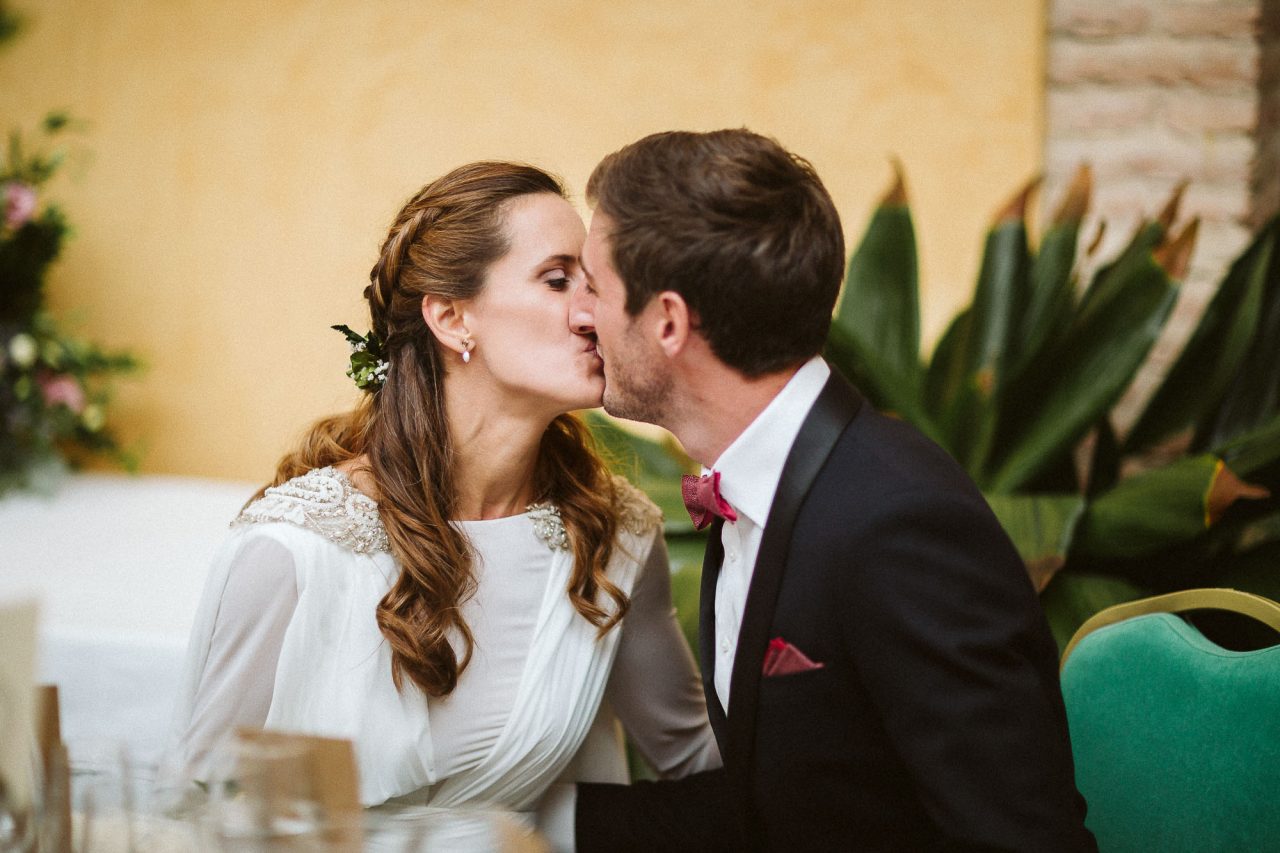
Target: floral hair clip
(368,367)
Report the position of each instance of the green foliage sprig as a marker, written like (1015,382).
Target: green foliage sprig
(368,367)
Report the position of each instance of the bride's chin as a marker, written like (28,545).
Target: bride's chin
(588,396)
(596,392)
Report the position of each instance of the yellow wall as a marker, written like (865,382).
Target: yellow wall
(246,157)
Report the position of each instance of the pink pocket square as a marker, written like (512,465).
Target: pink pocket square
(782,658)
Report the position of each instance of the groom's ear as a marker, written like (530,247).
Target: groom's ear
(446,320)
(673,322)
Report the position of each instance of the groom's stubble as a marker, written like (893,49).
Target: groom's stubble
(637,385)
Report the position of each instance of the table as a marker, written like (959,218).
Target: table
(117,563)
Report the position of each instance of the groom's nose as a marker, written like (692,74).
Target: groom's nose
(581,315)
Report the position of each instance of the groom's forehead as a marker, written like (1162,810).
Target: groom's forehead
(595,250)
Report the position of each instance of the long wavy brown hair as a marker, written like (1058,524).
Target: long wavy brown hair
(442,243)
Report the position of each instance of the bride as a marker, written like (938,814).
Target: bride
(447,574)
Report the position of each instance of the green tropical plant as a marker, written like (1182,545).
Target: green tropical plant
(1021,389)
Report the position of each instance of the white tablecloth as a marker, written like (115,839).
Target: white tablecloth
(117,564)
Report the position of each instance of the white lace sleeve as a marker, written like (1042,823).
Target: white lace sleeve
(654,687)
(252,612)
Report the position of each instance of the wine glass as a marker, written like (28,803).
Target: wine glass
(261,798)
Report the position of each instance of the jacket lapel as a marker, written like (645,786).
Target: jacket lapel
(711,560)
(835,407)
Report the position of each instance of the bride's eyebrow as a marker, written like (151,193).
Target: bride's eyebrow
(560,259)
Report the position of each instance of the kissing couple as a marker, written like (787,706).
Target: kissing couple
(449,576)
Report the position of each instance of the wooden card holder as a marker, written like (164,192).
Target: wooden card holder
(55,831)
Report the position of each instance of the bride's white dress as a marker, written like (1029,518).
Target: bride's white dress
(285,637)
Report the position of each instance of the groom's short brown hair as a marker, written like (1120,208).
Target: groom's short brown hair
(737,225)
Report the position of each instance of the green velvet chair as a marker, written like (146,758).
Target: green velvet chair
(1176,738)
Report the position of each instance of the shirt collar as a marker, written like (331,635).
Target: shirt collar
(751,465)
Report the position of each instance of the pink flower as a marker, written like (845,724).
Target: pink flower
(19,204)
(62,389)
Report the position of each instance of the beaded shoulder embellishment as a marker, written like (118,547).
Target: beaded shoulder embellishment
(549,526)
(323,501)
(637,513)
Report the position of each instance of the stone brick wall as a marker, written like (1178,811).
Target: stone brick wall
(1153,92)
(1266,180)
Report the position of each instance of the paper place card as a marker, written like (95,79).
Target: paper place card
(17,700)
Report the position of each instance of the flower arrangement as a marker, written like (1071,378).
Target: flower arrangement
(54,387)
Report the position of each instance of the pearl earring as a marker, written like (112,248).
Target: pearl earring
(467,344)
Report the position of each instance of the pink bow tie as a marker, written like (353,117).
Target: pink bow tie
(702,499)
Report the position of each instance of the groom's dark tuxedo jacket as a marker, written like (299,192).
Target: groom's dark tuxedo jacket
(935,722)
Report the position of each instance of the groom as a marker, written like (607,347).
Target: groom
(877,667)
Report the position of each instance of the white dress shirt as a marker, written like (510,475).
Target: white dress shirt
(749,469)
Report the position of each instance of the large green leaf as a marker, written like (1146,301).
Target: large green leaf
(999,303)
(945,371)
(990,343)
(1254,450)
(858,365)
(1041,527)
(1253,396)
(1048,311)
(880,309)
(1069,388)
(999,300)
(946,383)
(1209,361)
(1149,236)
(1150,511)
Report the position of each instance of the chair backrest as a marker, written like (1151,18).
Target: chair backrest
(1176,739)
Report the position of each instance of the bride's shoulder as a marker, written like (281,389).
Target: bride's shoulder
(325,502)
(636,512)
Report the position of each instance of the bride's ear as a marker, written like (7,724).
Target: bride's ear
(447,321)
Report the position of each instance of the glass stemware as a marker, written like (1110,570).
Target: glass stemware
(261,798)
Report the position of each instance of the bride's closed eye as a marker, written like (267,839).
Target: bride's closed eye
(557,279)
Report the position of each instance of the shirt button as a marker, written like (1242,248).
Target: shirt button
(733,556)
